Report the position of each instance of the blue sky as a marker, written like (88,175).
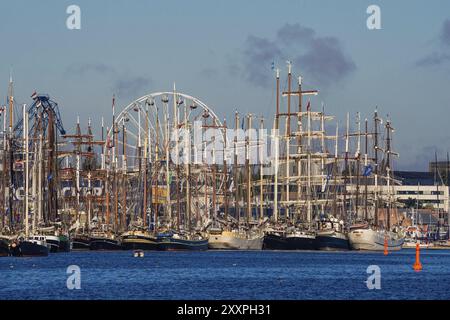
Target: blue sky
(220,52)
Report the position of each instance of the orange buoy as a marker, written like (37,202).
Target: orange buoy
(417,265)
(385,246)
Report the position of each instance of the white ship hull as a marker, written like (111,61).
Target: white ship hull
(373,240)
(235,241)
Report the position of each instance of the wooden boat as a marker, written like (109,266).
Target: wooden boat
(296,240)
(181,242)
(104,241)
(137,239)
(235,240)
(33,246)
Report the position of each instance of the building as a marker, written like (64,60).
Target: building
(416,190)
(419,189)
(441,169)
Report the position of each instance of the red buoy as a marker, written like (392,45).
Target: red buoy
(417,265)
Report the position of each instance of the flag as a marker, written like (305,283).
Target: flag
(34,95)
(325,184)
(308,106)
(367,170)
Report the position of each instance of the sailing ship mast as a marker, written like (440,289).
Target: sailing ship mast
(389,175)
(168,211)
(388,172)
(124,179)
(288,140)
(11,154)
(366,176)
(145,160)
(358,164)
(302,152)
(346,171)
(225,170)
(26,167)
(436,174)
(376,147)
(236,174)
(261,171)
(335,171)
(187,159)
(276,141)
(248,170)
(107,178)
(299,143)
(4,180)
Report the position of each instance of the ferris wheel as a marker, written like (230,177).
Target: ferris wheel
(149,124)
(147,131)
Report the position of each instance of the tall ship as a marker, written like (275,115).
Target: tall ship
(104,240)
(371,239)
(237,225)
(81,241)
(296,168)
(331,235)
(307,182)
(31,246)
(139,240)
(28,155)
(88,186)
(173,241)
(289,240)
(377,234)
(234,240)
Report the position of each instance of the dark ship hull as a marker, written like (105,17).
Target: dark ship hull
(53,243)
(331,242)
(139,242)
(64,244)
(175,244)
(105,244)
(29,249)
(278,242)
(4,249)
(81,243)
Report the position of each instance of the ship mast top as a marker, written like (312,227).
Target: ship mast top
(11,101)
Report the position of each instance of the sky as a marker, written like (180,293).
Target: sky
(222,51)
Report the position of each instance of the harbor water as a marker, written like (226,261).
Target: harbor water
(267,275)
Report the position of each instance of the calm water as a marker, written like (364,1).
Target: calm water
(226,275)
